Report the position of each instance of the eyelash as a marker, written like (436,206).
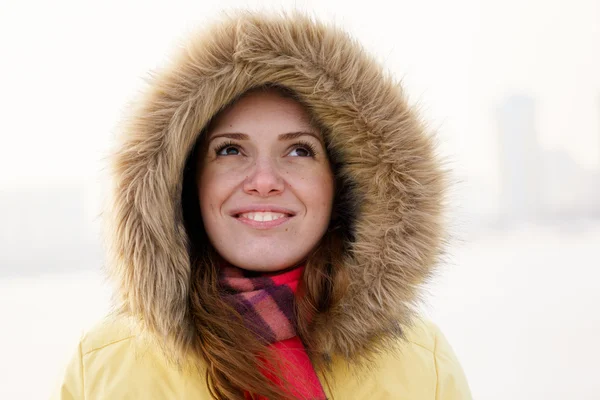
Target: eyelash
(312,151)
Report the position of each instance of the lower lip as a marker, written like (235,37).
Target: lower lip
(264,224)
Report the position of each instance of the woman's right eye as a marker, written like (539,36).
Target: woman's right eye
(227,149)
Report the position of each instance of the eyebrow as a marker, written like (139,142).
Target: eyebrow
(281,137)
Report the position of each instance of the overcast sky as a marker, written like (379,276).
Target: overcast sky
(69,67)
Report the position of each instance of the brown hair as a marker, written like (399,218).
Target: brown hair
(234,356)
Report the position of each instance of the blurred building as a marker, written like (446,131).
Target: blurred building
(520,159)
(45,230)
(539,184)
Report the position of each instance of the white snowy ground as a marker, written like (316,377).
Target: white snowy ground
(520,308)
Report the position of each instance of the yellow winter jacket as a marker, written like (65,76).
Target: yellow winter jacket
(390,195)
(112,362)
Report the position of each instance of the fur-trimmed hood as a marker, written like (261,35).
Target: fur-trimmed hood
(387,156)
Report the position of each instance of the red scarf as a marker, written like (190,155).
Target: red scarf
(266,302)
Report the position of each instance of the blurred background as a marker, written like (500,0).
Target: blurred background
(512,89)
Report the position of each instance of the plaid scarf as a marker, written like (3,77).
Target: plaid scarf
(266,303)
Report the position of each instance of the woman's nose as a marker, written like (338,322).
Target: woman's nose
(264,179)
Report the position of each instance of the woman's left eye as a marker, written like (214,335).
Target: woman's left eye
(303,150)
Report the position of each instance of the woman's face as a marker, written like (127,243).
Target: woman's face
(265,183)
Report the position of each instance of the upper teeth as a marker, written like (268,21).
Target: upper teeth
(262,216)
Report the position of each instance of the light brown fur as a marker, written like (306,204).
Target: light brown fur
(387,154)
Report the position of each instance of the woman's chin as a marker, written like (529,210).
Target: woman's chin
(264,263)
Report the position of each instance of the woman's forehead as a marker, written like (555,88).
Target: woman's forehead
(263,112)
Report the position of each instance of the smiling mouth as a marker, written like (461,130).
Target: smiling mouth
(262,216)
(263,219)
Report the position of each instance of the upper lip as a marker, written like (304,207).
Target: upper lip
(261,208)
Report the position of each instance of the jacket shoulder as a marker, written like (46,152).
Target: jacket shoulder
(420,366)
(114,360)
(105,333)
(451,382)
(423,333)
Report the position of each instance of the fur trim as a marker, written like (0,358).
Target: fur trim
(387,159)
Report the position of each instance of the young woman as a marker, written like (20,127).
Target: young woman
(276,208)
